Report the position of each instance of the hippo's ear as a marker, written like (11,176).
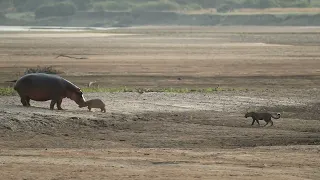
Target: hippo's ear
(79,91)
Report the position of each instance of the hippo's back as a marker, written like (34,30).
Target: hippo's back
(38,80)
(40,86)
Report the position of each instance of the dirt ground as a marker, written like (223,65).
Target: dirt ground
(167,135)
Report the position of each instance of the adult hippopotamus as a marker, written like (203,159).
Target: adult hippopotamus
(44,87)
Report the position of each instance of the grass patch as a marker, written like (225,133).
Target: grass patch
(111,90)
(7,91)
(167,90)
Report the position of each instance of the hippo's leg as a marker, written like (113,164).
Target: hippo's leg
(53,102)
(89,108)
(103,109)
(28,101)
(23,99)
(59,104)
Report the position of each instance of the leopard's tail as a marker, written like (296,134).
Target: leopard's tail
(276,117)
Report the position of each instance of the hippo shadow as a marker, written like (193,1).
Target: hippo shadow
(42,108)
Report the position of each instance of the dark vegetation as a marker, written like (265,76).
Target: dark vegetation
(44,69)
(59,9)
(152,5)
(131,12)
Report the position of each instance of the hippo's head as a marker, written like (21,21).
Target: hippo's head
(83,105)
(80,99)
(77,96)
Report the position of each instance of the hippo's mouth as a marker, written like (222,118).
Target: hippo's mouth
(81,103)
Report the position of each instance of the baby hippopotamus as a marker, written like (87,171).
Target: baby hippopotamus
(94,103)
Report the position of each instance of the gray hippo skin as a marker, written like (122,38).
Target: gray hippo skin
(44,87)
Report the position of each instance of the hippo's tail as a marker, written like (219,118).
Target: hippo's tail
(15,87)
(13,81)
